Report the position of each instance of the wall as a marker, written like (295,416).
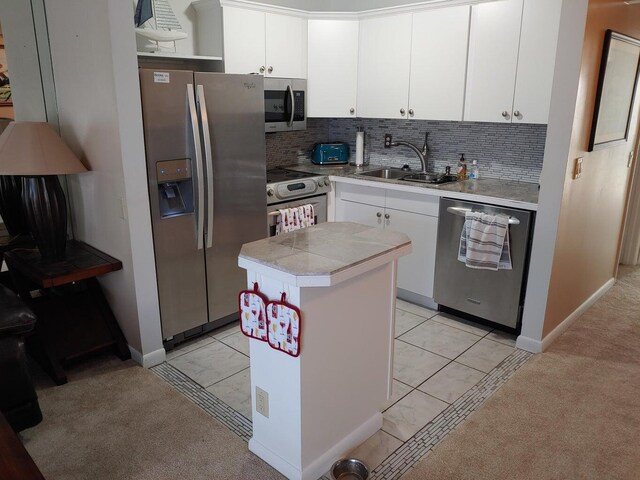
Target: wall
(507,151)
(100,118)
(592,208)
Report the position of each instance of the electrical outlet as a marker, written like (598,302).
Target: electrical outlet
(387,140)
(262,402)
(577,168)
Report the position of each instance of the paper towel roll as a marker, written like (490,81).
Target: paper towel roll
(359,149)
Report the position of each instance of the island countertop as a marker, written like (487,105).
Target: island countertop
(324,254)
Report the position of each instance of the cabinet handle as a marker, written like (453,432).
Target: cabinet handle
(402,111)
(505,114)
(262,69)
(411,112)
(270,70)
(516,113)
(379,214)
(386,216)
(352,110)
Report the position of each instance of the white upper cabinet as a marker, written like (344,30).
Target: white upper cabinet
(439,45)
(383,66)
(536,64)
(258,42)
(493,59)
(332,78)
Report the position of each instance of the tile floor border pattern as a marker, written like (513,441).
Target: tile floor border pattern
(211,404)
(418,446)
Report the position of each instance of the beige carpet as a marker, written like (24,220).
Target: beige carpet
(572,412)
(120,421)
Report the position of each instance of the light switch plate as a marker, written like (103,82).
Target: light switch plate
(577,168)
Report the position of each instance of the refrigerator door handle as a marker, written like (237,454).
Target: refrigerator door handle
(204,119)
(193,117)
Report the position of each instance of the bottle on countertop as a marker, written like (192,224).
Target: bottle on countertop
(462,168)
(473,172)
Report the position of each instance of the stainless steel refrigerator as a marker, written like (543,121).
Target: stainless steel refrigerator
(205,148)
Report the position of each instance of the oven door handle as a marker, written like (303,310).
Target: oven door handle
(275,213)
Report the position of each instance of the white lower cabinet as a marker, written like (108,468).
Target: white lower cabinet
(413,214)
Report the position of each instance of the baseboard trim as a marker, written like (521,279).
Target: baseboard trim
(150,359)
(417,299)
(322,464)
(537,346)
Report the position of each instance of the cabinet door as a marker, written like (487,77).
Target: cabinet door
(416,271)
(244,40)
(438,63)
(536,60)
(286,46)
(359,213)
(493,59)
(332,78)
(383,67)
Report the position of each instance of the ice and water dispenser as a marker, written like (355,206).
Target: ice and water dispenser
(175,187)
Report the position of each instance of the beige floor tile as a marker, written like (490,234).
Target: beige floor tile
(237,341)
(502,337)
(441,339)
(378,447)
(399,391)
(189,346)
(225,331)
(235,391)
(485,355)
(451,382)
(211,363)
(405,321)
(410,414)
(462,324)
(415,309)
(412,365)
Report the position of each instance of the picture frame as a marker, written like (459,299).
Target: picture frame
(617,85)
(5,86)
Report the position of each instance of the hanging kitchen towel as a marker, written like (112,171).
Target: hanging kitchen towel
(484,242)
(294,218)
(253,315)
(283,326)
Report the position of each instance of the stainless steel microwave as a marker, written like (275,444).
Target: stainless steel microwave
(285,104)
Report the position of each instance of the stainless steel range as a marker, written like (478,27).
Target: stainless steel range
(289,188)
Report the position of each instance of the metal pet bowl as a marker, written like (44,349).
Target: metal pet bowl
(349,469)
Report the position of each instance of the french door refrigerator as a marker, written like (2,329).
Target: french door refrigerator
(205,149)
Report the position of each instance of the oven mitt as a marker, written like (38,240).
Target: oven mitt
(283,325)
(252,313)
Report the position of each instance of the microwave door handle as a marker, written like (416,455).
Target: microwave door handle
(208,155)
(193,118)
(293,105)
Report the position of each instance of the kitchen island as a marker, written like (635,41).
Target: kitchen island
(312,409)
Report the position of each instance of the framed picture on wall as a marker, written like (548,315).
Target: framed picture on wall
(5,86)
(616,91)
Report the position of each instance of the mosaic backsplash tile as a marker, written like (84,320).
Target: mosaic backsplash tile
(506,151)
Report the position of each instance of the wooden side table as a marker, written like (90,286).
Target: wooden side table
(74,318)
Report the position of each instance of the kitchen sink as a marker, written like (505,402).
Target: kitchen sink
(388,173)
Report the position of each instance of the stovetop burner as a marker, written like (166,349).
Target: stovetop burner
(282,175)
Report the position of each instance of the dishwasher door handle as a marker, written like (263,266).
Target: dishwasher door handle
(462,211)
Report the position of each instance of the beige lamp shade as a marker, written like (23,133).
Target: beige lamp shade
(33,148)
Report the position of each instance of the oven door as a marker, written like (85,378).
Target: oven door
(319,203)
(284,104)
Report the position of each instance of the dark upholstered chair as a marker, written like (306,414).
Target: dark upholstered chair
(18,399)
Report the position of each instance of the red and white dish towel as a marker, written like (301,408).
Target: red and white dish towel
(295,218)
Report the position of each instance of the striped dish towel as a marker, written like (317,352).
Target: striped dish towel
(295,218)
(484,242)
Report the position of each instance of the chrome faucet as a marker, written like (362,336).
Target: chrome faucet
(422,154)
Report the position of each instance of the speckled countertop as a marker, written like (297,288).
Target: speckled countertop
(489,190)
(323,250)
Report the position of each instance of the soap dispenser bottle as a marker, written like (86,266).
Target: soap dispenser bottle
(462,168)
(474,172)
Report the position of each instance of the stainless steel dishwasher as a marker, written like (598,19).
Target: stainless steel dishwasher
(495,296)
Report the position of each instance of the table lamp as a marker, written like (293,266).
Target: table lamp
(35,152)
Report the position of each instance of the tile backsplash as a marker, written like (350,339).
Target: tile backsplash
(506,151)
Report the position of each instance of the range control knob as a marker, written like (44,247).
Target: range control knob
(326,182)
(270,192)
